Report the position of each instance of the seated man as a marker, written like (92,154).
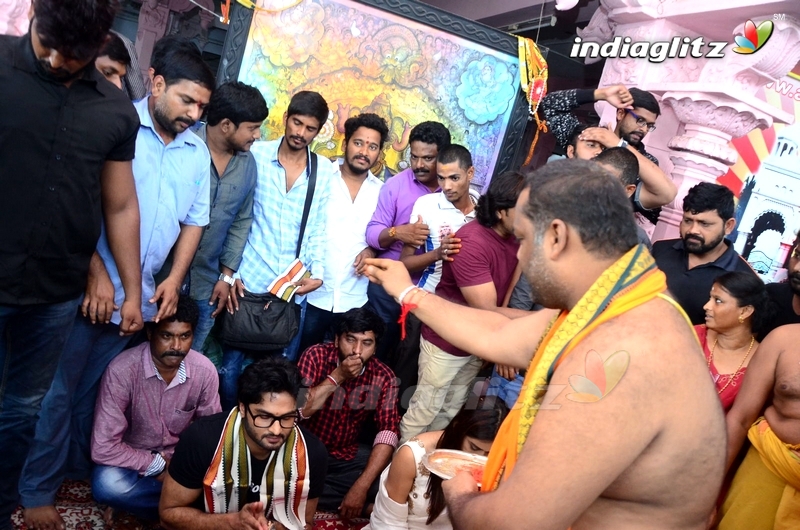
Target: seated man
(347,387)
(764,493)
(623,164)
(148,395)
(702,253)
(278,467)
(642,448)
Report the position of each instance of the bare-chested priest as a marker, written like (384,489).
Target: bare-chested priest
(765,492)
(628,431)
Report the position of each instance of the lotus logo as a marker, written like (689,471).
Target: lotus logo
(754,37)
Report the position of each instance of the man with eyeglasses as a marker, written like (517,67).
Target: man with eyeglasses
(251,466)
(786,295)
(637,111)
(148,395)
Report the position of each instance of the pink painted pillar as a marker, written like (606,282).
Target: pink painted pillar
(705,102)
(14,17)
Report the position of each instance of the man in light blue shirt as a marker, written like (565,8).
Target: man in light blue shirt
(171,174)
(283,171)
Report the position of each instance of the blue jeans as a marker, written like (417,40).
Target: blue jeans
(506,390)
(389,311)
(124,489)
(64,430)
(31,341)
(234,361)
(204,324)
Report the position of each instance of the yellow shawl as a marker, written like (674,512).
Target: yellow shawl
(628,283)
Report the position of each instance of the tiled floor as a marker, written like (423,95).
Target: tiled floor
(74,503)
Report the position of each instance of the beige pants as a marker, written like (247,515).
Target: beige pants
(444,384)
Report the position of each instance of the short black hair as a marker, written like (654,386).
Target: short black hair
(749,289)
(308,103)
(75,28)
(368,120)
(115,50)
(361,320)
(430,132)
(187,311)
(623,161)
(575,134)
(503,192)
(707,196)
(271,375)
(176,59)
(237,102)
(586,197)
(455,153)
(643,99)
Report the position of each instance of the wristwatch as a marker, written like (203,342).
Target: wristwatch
(227,279)
(622,143)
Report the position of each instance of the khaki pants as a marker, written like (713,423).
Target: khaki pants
(443,387)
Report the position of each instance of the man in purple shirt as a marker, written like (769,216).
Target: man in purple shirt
(149,394)
(389,228)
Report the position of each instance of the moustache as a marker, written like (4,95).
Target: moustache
(173,353)
(299,139)
(188,122)
(794,277)
(695,238)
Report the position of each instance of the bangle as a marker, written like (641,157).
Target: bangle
(393,232)
(333,380)
(405,292)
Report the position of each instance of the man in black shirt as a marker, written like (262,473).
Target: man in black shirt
(694,261)
(637,111)
(282,464)
(67,138)
(786,296)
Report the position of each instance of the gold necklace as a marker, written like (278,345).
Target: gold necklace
(733,375)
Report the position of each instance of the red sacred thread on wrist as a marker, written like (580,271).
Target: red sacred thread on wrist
(405,309)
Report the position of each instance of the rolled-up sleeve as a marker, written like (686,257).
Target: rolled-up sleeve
(382,218)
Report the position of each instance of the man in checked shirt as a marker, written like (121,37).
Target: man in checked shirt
(347,387)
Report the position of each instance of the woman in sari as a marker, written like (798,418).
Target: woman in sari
(736,312)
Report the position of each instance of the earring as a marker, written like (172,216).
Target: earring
(741,319)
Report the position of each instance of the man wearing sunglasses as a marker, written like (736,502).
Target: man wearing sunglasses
(637,111)
(277,468)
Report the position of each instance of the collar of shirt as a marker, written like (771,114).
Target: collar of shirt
(150,369)
(444,204)
(25,59)
(181,139)
(727,260)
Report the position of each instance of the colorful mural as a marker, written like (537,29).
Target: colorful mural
(363,59)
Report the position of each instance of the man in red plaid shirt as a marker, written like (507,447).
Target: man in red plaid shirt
(346,388)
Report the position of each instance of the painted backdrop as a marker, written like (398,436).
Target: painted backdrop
(363,59)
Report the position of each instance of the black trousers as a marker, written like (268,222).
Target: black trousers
(342,474)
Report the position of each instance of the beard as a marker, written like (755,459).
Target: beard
(355,169)
(633,137)
(697,245)
(261,439)
(162,118)
(59,75)
(545,290)
(794,282)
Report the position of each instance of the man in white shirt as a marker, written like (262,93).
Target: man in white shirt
(353,198)
(444,213)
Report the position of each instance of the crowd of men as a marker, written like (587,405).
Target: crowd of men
(132,230)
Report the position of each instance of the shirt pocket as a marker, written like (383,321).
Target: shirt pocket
(229,198)
(179,420)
